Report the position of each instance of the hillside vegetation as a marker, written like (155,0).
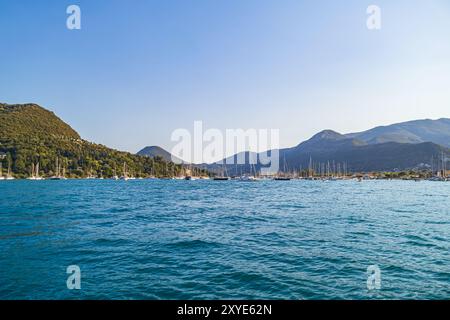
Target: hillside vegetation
(30,134)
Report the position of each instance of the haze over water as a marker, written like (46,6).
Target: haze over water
(156,239)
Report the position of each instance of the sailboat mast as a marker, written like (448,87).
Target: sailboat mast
(9,167)
(444,171)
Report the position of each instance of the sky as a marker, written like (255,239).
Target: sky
(137,70)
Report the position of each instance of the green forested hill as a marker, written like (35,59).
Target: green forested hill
(30,120)
(31,134)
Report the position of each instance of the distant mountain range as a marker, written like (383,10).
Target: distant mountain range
(396,147)
(328,147)
(418,131)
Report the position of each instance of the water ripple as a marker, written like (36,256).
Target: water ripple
(208,240)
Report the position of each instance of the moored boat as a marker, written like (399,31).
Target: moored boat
(221,178)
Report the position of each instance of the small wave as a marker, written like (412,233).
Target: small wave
(17,235)
(419,241)
(118,210)
(289,206)
(356,220)
(249,278)
(115,242)
(419,244)
(274,234)
(192,244)
(437,222)
(396,268)
(403,211)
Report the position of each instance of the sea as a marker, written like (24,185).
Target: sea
(176,239)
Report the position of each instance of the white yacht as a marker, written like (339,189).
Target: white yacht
(58,175)
(1,172)
(125,176)
(9,175)
(247,178)
(35,172)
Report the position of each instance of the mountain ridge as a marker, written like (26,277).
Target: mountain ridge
(414,131)
(328,141)
(359,152)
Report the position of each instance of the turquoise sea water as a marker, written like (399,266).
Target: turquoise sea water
(153,239)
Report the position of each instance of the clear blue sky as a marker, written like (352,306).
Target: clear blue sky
(139,69)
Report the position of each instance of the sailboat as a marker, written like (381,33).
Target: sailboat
(283,177)
(125,176)
(1,171)
(32,177)
(63,176)
(444,167)
(224,176)
(190,178)
(8,175)
(221,178)
(152,171)
(35,172)
(280,178)
(37,177)
(249,177)
(90,175)
(58,175)
(439,173)
(115,177)
(190,174)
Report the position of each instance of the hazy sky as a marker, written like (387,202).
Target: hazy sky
(137,70)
